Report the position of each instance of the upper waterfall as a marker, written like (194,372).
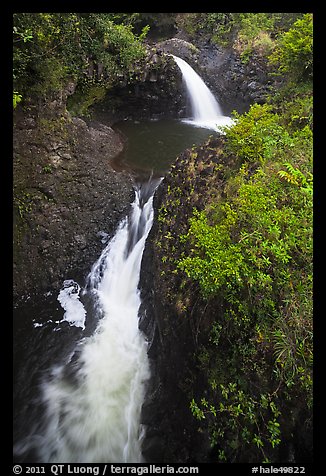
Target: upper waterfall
(205,109)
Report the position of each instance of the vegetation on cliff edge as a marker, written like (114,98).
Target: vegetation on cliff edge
(235,227)
(51,49)
(243,249)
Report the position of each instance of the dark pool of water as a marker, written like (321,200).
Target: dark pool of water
(154,145)
(40,339)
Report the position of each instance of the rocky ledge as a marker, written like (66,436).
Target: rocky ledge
(235,83)
(68,199)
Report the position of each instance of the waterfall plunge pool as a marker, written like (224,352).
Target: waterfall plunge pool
(45,334)
(153,145)
(84,378)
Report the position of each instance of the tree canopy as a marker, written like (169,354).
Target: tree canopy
(50,48)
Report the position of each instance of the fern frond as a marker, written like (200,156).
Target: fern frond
(288,177)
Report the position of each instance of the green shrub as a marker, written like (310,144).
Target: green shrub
(238,422)
(16,98)
(294,50)
(250,252)
(50,48)
(247,239)
(257,135)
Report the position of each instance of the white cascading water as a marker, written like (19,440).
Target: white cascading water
(206,111)
(93,403)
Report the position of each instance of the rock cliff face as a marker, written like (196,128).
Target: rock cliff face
(235,84)
(67,197)
(66,193)
(154,92)
(174,435)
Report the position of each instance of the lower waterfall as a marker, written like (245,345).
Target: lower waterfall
(93,402)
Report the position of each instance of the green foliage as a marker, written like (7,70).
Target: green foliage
(247,239)
(241,420)
(47,169)
(246,248)
(25,201)
(294,50)
(23,204)
(256,135)
(251,24)
(294,176)
(253,33)
(294,104)
(88,93)
(225,28)
(218,25)
(16,98)
(248,33)
(261,134)
(255,250)
(50,48)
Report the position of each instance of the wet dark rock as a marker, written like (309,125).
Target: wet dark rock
(54,203)
(178,47)
(68,199)
(175,376)
(26,123)
(153,448)
(154,92)
(235,84)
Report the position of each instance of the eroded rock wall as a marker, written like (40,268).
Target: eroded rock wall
(235,83)
(67,198)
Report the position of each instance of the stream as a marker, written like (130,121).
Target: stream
(80,362)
